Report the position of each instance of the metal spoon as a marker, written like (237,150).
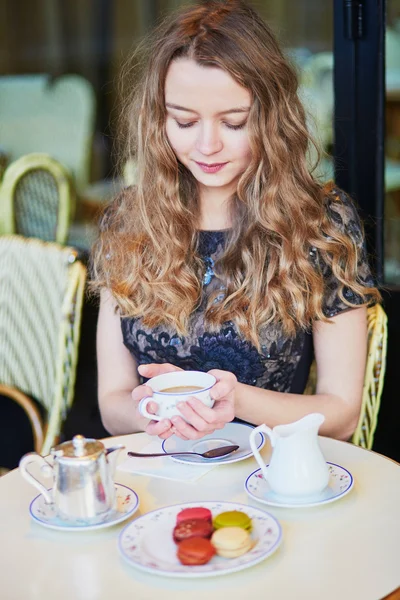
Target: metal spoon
(214,453)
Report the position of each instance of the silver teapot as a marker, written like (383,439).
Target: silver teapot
(83,487)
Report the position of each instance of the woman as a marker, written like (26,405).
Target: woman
(228,256)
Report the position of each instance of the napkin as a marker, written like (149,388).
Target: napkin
(165,468)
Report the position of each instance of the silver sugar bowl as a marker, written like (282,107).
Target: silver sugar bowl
(82,471)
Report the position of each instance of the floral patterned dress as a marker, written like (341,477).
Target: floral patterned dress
(283,362)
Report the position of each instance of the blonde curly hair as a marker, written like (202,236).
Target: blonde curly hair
(147,252)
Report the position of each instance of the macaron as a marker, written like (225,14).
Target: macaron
(195,551)
(231,542)
(192,529)
(197,512)
(233,518)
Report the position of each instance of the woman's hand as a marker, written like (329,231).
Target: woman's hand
(164,428)
(200,420)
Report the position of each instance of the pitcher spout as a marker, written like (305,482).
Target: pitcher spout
(313,421)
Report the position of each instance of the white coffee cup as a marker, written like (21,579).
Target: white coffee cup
(167,400)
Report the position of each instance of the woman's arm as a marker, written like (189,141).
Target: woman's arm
(340,351)
(117,373)
(119,391)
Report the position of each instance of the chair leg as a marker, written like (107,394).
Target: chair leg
(31,411)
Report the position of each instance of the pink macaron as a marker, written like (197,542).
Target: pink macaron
(198,512)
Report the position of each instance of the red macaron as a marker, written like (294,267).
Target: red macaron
(197,512)
(195,528)
(195,551)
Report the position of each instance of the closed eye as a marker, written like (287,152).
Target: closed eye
(230,126)
(185,125)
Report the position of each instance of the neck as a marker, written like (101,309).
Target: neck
(214,209)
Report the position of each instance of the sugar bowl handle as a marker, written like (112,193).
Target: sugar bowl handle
(46,469)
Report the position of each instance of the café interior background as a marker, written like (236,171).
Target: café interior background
(93,39)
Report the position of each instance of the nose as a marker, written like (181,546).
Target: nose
(208,141)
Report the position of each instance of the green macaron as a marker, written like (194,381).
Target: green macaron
(232,518)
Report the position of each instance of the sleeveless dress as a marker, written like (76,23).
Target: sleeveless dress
(283,362)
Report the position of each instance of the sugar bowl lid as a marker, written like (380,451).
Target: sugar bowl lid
(79,447)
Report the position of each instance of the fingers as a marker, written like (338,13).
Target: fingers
(164,429)
(167,434)
(154,369)
(160,428)
(222,411)
(199,420)
(193,412)
(226,383)
(186,431)
(141,391)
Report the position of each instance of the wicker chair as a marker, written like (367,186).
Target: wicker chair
(41,295)
(37,199)
(373,381)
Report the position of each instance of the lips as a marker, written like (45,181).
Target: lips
(211,168)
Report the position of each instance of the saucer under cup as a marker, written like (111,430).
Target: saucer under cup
(232,434)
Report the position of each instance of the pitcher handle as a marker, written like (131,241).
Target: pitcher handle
(28,459)
(261,429)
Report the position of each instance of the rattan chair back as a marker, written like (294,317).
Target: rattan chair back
(374,377)
(37,199)
(41,295)
(373,380)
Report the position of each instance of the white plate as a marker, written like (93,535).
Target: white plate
(44,514)
(340,483)
(232,433)
(147,542)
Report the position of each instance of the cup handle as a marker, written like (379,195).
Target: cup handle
(142,408)
(260,429)
(47,470)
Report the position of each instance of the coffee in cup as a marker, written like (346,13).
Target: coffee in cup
(181,389)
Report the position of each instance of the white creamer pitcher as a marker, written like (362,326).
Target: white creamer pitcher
(297,467)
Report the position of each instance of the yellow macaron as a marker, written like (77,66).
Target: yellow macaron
(231,542)
(232,518)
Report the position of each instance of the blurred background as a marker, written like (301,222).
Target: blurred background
(93,38)
(60,63)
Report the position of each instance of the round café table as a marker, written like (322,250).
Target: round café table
(346,550)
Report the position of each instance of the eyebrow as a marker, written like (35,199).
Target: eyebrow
(240,109)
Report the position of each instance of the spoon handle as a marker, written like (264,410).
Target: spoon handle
(139,454)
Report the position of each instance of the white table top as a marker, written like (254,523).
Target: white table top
(348,549)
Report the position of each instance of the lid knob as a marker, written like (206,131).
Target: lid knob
(79,442)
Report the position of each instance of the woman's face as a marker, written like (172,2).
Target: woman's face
(207,113)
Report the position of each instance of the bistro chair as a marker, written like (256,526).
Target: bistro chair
(37,199)
(41,296)
(373,380)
